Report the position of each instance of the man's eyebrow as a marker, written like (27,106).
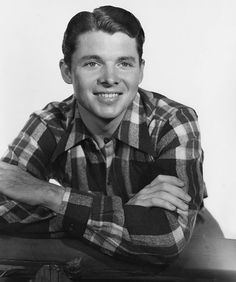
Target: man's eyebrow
(98,58)
(127,58)
(90,57)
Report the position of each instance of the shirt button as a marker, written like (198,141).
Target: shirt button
(106,140)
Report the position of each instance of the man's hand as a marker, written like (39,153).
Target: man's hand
(165,192)
(21,186)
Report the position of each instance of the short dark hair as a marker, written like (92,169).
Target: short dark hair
(106,18)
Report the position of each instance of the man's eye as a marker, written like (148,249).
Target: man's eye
(126,64)
(90,64)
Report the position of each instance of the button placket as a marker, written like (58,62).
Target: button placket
(109,152)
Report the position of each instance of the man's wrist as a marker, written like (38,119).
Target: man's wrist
(53,198)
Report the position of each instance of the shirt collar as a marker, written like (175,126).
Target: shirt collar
(133,130)
(74,134)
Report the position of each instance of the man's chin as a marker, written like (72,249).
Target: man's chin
(111,115)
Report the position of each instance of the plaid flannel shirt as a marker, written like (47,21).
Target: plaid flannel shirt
(156,136)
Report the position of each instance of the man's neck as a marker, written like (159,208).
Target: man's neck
(99,128)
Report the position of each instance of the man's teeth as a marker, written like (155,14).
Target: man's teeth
(108,95)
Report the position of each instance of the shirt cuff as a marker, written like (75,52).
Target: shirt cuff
(75,209)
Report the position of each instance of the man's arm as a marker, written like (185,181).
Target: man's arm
(27,161)
(21,186)
(154,233)
(164,191)
(24,189)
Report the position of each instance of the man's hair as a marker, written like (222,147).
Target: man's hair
(106,18)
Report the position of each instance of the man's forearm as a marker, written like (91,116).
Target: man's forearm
(100,219)
(21,186)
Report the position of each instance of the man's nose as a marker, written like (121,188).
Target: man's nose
(109,76)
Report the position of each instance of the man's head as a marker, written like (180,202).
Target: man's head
(103,60)
(106,18)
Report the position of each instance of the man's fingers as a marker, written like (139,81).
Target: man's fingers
(168,179)
(165,187)
(174,205)
(158,202)
(163,195)
(167,199)
(164,191)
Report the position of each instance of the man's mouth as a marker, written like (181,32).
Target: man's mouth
(108,98)
(108,95)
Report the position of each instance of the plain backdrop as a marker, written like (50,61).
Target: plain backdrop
(190,54)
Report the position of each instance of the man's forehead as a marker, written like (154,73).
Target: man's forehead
(102,41)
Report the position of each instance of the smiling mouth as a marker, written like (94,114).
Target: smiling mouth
(108,95)
(107,98)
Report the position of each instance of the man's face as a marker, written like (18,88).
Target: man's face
(105,73)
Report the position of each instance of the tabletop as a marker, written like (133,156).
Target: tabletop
(204,259)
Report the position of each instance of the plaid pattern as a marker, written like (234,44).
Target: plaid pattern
(156,136)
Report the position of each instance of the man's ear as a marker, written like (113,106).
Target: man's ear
(142,64)
(65,72)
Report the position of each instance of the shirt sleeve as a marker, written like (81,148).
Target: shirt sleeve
(28,151)
(152,234)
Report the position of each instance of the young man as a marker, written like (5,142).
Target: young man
(128,161)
